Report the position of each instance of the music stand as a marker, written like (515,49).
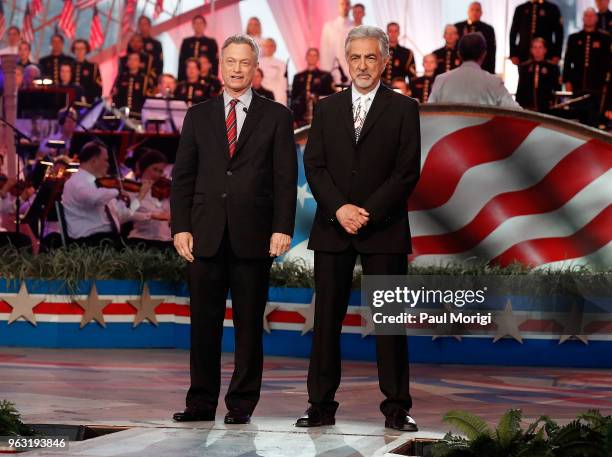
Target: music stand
(171,110)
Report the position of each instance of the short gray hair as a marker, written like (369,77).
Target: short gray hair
(242,39)
(368,31)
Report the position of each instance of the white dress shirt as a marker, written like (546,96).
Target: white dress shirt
(85,206)
(151,229)
(244,101)
(333,36)
(369,97)
(274,77)
(471,84)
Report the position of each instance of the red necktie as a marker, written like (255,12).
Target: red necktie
(232,127)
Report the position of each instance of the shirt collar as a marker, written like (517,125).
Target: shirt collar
(356,94)
(245,98)
(87,175)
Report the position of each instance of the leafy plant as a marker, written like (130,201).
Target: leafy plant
(590,435)
(10,421)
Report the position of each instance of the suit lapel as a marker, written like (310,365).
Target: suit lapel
(346,112)
(250,122)
(378,106)
(218,125)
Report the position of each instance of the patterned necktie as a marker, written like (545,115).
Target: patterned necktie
(359,114)
(232,127)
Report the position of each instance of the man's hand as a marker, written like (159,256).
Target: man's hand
(569,87)
(555,60)
(514,60)
(352,218)
(279,244)
(183,242)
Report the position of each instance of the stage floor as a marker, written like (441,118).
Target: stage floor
(142,388)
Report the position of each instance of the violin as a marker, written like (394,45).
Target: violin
(160,188)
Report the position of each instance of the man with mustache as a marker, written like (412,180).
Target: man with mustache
(362,161)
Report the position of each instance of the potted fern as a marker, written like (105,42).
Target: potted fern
(589,435)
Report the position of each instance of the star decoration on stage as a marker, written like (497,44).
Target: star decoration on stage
(145,307)
(308,314)
(574,329)
(367,322)
(270,308)
(23,305)
(507,325)
(303,194)
(93,308)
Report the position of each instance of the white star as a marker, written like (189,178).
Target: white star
(303,194)
(507,325)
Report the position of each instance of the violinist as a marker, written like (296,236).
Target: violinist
(153,231)
(94,214)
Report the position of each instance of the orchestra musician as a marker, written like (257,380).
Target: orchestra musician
(153,231)
(95,214)
(207,78)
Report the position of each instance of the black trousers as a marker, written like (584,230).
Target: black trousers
(333,278)
(210,279)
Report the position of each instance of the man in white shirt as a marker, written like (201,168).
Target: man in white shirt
(274,71)
(94,213)
(13,37)
(469,83)
(332,42)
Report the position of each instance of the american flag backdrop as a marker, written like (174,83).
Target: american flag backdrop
(501,187)
(509,189)
(66,19)
(28,27)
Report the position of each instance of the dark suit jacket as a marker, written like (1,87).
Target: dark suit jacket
(378,173)
(253,193)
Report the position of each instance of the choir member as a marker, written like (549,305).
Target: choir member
(448,55)
(86,73)
(274,70)
(50,65)
(197,45)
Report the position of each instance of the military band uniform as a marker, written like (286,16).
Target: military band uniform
(315,82)
(50,66)
(488,33)
(87,75)
(536,18)
(401,64)
(537,84)
(421,87)
(195,47)
(448,59)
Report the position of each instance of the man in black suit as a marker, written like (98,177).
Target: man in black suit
(604,15)
(233,201)
(474,24)
(362,161)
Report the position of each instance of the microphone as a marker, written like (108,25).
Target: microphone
(244,108)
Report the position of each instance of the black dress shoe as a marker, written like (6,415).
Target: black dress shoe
(314,417)
(237,418)
(192,415)
(401,421)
